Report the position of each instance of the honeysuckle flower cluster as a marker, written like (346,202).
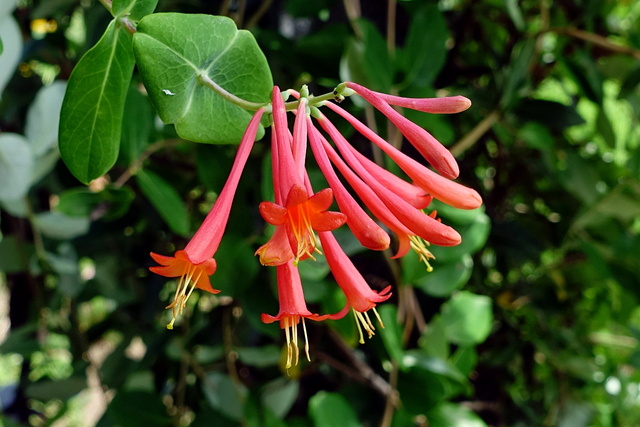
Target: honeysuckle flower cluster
(301,214)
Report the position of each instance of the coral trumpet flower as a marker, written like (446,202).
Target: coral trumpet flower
(300,217)
(194,264)
(293,310)
(360,297)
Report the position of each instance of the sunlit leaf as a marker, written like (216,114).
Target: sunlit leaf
(41,129)
(164,197)
(63,389)
(366,60)
(133,9)
(446,278)
(60,226)
(425,51)
(450,414)
(391,333)
(92,110)
(467,318)
(11,47)
(330,410)
(173,50)
(225,395)
(16,162)
(279,395)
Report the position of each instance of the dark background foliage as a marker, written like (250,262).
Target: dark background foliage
(533,320)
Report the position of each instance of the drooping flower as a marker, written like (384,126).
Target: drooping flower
(293,311)
(195,264)
(299,213)
(360,297)
(301,217)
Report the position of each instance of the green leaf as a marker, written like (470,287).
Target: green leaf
(57,225)
(412,268)
(465,359)
(22,341)
(225,395)
(92,110)
(446,278)
(536,136)
(367,61)
(515,13)
(605,128)
(133,9)
(425,51)
(114,202)
(330,410)
(138,408)
(421,390)
(549,113)
(16,163)
(518,71)
(268,355)
(41,129)
(586,74)
(467,318)
(435,365)
(166,200)
(451,414)
(172,51)
(136,130)
(433,340)
(391,333)
(474,236)
(62,390)
(237,265)
(14,255)
(12,48)
(279,395)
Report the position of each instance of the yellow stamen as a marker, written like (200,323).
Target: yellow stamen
(305,236)
(355,316)
(306,340)
(420,245)
(185,288)
(296,350)
(288,337)
(378,317)
(291,334)
(363,322)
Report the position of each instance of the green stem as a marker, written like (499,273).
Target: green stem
(247,105)
(127,25)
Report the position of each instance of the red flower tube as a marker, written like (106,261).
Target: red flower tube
(194,264)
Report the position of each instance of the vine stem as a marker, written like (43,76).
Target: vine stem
(137,164)
(475,134)
(243,103)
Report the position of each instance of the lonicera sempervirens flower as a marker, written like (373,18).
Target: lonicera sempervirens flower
(293,310)
(195,264)
(303,220)
(297,214)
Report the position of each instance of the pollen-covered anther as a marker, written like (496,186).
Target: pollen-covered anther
(185,288)
(364,322)
(420,246)
(291,335)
